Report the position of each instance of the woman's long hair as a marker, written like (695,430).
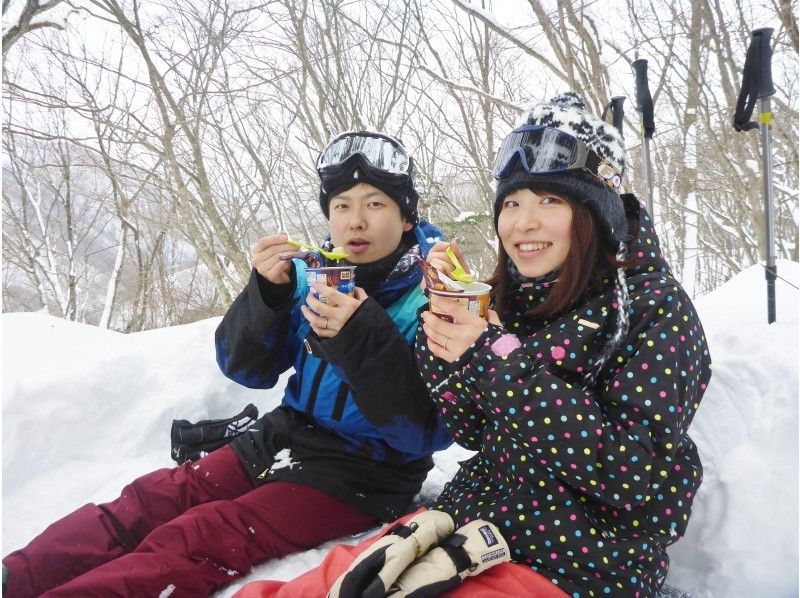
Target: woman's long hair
(588,257)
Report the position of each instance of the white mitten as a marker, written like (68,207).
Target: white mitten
(378,567)
(471,550)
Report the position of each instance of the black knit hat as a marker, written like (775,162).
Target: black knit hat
(357,170)
(567,112)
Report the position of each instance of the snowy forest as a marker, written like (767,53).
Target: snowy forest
(147,145)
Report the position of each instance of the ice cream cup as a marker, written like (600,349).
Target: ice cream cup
(475,298)
(341,277)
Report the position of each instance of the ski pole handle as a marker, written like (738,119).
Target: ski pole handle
(765,87)
(756,80)
(644,101)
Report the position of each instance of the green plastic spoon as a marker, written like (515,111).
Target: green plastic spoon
(337,254)
(459,273)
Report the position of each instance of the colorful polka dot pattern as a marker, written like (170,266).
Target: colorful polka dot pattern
(588,487)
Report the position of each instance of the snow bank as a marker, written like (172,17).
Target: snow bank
(86,410)
(743,536)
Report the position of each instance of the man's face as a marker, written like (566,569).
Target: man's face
(367,223)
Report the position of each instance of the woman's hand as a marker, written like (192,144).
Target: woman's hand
(437,257)
(450,340)
(328,318)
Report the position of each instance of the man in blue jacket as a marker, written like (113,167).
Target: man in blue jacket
(349,446)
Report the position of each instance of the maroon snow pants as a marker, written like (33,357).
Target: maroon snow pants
(186,531)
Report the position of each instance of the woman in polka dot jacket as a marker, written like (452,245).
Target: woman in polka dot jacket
(578,393)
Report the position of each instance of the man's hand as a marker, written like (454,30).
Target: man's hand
(328,318)
(265,257)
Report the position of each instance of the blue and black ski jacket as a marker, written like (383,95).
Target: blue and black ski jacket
(356,416)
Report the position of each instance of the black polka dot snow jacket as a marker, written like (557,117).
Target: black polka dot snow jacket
(587,486)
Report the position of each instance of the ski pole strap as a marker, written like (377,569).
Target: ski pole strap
(617,112)
(644,101)
(756,79)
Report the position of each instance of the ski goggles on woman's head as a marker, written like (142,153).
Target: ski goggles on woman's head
(380,151)
(543,150)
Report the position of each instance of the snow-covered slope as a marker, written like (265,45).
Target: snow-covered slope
(743,536)
(87,410)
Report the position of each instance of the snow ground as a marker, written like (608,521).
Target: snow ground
(86,410)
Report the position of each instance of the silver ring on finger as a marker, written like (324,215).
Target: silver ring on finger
(326,323)
(445,343)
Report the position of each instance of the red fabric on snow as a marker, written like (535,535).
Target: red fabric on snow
(506,579)
(187,530)
(93,535)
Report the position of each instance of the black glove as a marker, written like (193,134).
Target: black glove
(193,441)
(471,550)
(378,567)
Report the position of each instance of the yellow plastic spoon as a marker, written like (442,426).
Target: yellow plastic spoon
(459,273)
(337,254)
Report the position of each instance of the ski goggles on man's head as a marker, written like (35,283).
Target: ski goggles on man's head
(543,150)
(380,151)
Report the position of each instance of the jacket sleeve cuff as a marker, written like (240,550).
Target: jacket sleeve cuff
(494,342)
(345,346)
(276,296)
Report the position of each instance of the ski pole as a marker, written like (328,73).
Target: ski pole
(644,104)
(757,83)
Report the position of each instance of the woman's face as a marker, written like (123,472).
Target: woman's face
(535,228)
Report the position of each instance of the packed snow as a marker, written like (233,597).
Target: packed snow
(86,410)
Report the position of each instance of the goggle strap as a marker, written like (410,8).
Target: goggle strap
(594,163)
